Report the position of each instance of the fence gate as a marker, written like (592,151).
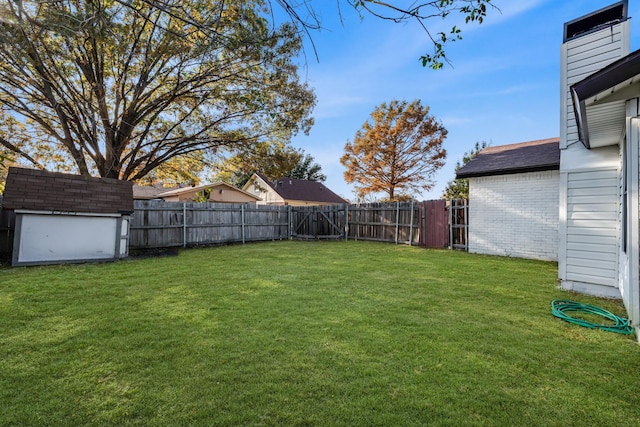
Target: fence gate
(434,224)
(318,222)
(459,224)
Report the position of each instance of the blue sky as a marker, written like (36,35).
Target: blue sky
(503,87)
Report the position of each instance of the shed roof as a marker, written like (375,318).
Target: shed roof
(40,190)
(303,190)
(531,156)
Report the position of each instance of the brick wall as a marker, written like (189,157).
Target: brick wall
(515,215)
(52,191)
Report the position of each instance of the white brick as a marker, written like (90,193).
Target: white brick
(515,215)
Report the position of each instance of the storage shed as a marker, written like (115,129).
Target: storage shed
(63,218)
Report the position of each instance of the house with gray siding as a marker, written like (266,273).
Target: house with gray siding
(590,161)
(598,176)
(599,158)
(598,222)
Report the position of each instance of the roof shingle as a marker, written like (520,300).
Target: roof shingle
(531,156)
(303,190)
(54,191)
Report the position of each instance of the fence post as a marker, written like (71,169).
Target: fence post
(289,219)
(451,202)
(184,224)
(411,226)
(346,222)
(397,219)
(466,225)
(242,219)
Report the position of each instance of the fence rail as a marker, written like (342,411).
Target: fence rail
(163,224)
(318,222)
(158,224)
(387,222)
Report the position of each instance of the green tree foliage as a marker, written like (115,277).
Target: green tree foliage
(274,160)
(420,12)
(396,152)
(306,168)
(203,196)
(184,169)
(4,167)
(459,188)
(118,88)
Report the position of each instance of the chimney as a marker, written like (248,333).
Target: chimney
(590,43)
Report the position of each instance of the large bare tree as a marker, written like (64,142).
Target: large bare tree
(119,87)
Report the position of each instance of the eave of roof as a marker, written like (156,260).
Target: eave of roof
(617,81)
(530,156)
(159,193)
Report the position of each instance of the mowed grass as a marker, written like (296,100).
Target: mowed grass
(306,333)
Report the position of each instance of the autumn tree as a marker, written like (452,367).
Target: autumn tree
(397,151)
(5,161)
(184,169)
(118,88)
(273,160)
(459,188)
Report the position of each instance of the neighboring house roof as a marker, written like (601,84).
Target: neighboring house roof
(141,192)
(39,190)
(599,101)
(302,190)
(531,156)
(147,192)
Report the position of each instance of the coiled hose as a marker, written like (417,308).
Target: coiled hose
(620,325)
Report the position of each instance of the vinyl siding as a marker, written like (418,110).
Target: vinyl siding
(592,227)
(582,57)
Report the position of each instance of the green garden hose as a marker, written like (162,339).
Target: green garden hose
(620,325)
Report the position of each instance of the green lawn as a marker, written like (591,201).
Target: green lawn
(306,333)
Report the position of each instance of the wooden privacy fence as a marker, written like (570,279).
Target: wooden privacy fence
(385,222)
(434,224)
(318,222)
(459,224)
(158,224)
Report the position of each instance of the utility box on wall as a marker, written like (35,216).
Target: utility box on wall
(62,218)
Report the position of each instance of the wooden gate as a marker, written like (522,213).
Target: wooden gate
(318,222)
(459,224)
(434,224)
